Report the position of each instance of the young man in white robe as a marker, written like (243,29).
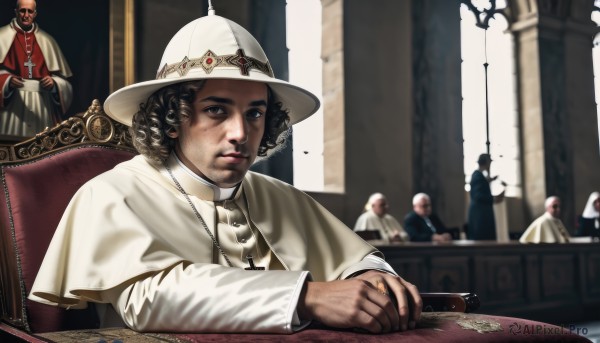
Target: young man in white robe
(183,238)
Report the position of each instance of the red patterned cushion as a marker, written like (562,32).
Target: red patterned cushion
(435,327)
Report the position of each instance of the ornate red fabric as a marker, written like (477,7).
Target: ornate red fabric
(435,327)
(36,194)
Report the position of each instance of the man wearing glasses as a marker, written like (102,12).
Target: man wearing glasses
(422,225)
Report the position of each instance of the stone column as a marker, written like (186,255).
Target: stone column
(581,103)
(392,104)
(557,106)
(437,140)
(332,52)
(377,105)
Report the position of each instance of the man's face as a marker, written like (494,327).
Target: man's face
(487,165)
(221,139)
(554,208)
(423,207)
(380,207)
(25,13)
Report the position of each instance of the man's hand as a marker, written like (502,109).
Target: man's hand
(444,237)
(362,302)
(15,82)
(47,82)
(395,237)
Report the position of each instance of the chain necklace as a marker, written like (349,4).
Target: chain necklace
(182,191)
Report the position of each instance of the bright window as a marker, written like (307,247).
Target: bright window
(305,68)
(495,46)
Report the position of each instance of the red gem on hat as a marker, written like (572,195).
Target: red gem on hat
(184,66)
(239,60)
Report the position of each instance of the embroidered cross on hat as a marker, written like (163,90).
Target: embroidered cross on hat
(210,61)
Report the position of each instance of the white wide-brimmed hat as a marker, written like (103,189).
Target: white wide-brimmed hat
(212,47)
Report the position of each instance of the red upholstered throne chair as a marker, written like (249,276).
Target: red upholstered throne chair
(38,178)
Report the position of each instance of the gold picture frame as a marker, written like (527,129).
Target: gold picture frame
(122,44)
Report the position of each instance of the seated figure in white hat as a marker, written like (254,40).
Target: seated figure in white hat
(184,238)
(548,228)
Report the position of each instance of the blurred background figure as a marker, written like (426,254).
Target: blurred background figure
(422,225)
(588,223)
(481,222)
(376,217)
(34,91)
(548,228)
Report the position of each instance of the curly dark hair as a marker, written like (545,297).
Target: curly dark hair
(165,108)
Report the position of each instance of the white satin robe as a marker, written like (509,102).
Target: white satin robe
(129,238)
(387,225)
(545,229)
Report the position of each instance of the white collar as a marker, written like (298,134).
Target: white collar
(218,193)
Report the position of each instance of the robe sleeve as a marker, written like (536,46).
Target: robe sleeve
(210,298)
(370,262)
(213,298)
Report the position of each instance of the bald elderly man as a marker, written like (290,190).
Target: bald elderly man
(548,228)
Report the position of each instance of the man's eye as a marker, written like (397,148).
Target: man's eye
(216,110)
(254,114)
